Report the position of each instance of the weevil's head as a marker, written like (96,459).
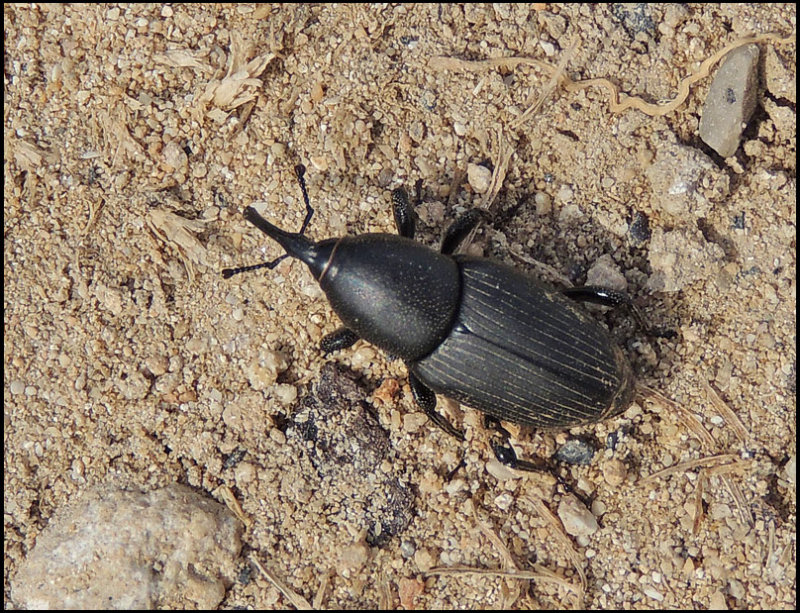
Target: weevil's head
(315,255)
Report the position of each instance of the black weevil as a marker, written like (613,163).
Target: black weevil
(468,328)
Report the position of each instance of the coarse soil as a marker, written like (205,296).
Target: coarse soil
(135,135)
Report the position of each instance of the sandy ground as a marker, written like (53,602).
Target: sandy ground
(135,135)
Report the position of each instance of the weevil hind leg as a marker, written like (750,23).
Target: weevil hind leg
(341,338)
(451,475)
(599,295)
(503,450)
(426,400)
(614,298)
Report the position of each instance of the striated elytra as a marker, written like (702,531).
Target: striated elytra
(468,328)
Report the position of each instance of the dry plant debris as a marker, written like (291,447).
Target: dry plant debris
(119,365)
(614,104)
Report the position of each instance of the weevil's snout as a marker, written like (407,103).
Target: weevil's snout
(314,255)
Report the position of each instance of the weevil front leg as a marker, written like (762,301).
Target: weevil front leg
(459,230)
(426,399)
(403,211)
(404,220)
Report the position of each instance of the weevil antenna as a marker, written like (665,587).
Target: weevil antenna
(300,170)
(227,273)
(253,217)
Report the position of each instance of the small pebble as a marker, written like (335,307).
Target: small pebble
(615,472)
(577,519)
(479,178)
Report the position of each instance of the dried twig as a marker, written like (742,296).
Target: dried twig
(726,412)
(558,532)
(297,601)
(691,464)
(615,104)
(228,497)
(505,554)
(709,444)
(539,574)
